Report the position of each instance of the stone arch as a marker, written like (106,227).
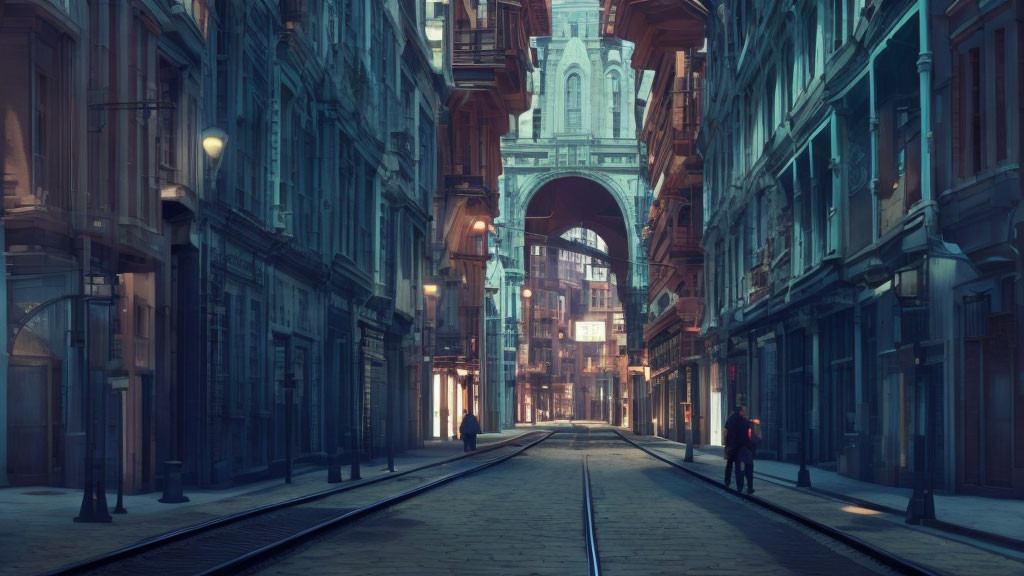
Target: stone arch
(529,187)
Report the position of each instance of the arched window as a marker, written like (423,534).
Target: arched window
(616,95)
(573,103)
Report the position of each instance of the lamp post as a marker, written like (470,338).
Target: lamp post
(120,385)
(527,295)
(803,478)
(94,498)
(214,141)
(430,304)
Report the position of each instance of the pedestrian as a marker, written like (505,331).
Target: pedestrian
(469,429)
(739,450)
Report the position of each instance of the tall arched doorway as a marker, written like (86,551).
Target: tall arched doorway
(582,296)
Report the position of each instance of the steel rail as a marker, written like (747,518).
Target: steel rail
(266,552)
(589,530)
(890,560)
(155,542)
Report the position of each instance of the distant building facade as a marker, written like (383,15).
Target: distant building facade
(581,127)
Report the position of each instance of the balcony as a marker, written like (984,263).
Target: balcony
(758,282)
(691,313)
(177,200)
(686,116)
(478,47)
(685,241)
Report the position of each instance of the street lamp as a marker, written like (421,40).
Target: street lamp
(527,295)
(214,141)
(96,287)
(430,303)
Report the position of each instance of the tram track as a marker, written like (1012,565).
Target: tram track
(265,531)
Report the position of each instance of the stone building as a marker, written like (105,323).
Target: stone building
(491,56)
(214,212)
(851,288)
(573,160)
(668,36)
(978,134)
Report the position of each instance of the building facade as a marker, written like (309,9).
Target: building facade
(578,140)
(671,118)
(226,206)
(491,56)
(851,292)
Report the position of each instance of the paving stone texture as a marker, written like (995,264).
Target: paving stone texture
(37,533)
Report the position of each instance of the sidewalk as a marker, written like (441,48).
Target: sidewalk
(1000,520)
(37,533)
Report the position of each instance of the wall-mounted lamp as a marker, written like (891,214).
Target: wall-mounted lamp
(214,142)
(527,293)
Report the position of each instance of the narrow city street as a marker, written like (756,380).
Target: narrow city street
(525,518)
(506,286)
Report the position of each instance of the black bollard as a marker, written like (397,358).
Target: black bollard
(334,467)
(354,444)
(172,483)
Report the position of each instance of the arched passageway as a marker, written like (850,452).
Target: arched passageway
(579,304)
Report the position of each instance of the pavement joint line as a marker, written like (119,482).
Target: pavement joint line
(265,552)
(219,522)
(887,558)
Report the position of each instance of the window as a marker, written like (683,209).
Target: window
(616,96)
(167,142)
(573,103)
(810,45)
(976,118)
(999,41)
(838,24)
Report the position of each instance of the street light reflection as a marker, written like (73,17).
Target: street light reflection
(859,510)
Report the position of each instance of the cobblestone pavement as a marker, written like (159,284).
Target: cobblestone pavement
(931,549)
(520,518)
(525,517)
(651,519)
(37,534)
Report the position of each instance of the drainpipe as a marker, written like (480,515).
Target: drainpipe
(924,71)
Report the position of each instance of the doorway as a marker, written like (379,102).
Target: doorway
(33,421)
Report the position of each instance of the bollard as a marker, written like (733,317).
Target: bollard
(334,467)
(354,445)
(172,483)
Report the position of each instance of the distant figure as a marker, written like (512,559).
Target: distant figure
(739,450)
(469,429)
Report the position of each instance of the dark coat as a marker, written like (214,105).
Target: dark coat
(469,425)
(737,433)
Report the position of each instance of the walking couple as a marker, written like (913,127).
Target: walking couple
(739,449)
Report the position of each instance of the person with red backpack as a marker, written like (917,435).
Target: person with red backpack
(739,450)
